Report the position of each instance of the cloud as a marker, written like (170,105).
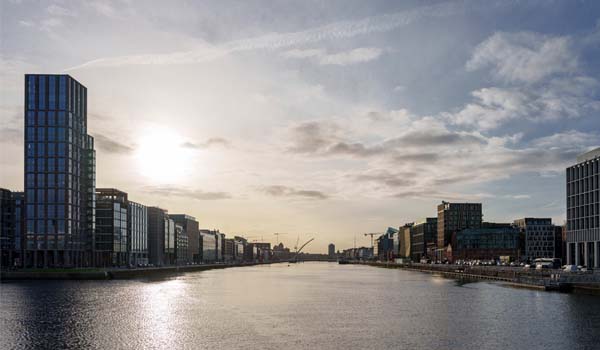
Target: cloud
(344,58)
(57,10)
(524,56)
(196,194)
(284,191)
(11,135)
(388,179)
(213,141)
(111,146)
(333,31)
(569,97)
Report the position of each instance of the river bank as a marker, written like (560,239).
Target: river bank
(108,274)
(547,280)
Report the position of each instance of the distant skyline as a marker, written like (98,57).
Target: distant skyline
(318,119)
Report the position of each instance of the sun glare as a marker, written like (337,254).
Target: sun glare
(160,156)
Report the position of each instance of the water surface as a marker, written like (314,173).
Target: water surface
(301,306)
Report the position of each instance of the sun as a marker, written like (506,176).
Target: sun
(160,156)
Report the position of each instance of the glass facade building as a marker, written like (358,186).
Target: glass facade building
(59,173)
(110,243)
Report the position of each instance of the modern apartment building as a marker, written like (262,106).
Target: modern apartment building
(539,237)
(453,217)
(583,212)
(59,173)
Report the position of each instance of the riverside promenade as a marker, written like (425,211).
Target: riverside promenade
(587,282)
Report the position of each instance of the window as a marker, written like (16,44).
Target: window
(41,134)
(30,92)
(61,134)
(61,119)
(42,92)
(51,195)
(61,150)
(51,148)
(61,165)
(30,149)
(30,180)
(30,164)
(40,181)
(61,181)
(62,92)
(30,134)
(51,92)
(51,180)
(51,162)
(51,134)
(41,165)
(41,150)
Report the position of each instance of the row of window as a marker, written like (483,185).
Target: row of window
(585,185)
(52,211)
(583,199)
(583,211)
(583,223)
(55,92)
(582,170)
(53,226)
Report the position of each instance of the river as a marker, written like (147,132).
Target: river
(300,306)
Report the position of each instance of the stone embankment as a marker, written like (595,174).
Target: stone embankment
(587,282)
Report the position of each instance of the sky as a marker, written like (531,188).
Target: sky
(318,119)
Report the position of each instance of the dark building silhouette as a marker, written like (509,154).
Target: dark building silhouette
(190,226)
(423,233)
(59,173)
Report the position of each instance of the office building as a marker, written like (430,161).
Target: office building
(404,239)
(110,240)
(208,242)
(59,173)
(423,233)
(453,217)
(331,250)
(190,226)
(539,237)
(157,236)
(137,244)
(487,244)
(181,249)
(11,227)
(583,212)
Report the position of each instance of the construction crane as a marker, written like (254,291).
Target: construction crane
(372,234)
(277,234)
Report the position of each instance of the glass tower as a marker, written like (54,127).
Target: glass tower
(59,173)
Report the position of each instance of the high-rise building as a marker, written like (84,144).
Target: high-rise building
(453,217)
(59,172)
(111,238)
(181,245)
(404,238)
(331,250)
(583,214)
(539,237)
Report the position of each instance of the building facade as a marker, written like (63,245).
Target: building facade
(190,226)
(59,173)
(539,237)
(110,239)
(181,239)
(11,228)
(453,217)
(404,241)
(487,243)
(208,241)
(137,245)
(423,233)
(583,212)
